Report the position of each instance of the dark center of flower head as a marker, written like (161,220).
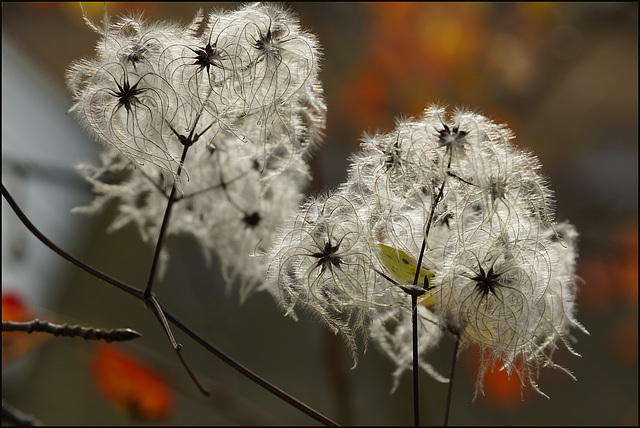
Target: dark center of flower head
(127,95)
(486,282)
(392,157)
(328,257)
(207,56)
(137,53)
(252,219)
(452,137)
(268,44)
(497,188)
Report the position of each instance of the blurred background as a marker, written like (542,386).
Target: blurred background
(563,76)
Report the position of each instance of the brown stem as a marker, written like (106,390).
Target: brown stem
(87,333)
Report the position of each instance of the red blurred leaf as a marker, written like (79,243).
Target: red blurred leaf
(13,307)
(500,390)
(17,344)
(131,385)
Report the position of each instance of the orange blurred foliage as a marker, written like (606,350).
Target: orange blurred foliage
(95,10)
(131,385)
(626,262)
(16,344)
(417,53)
(500,390)
(13,308)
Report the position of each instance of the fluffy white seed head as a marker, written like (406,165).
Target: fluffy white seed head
(246,103)
(501,270)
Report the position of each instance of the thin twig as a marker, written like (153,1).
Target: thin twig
(139,295)
(414,312)
(149,298)
(163,227)
(451,378)
(248,373)
(154,305)
(195,380)
(416,388)
(62,253)
(66,330)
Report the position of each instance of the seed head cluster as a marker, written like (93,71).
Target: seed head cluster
(227,109)
(503,269)
(240,90)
